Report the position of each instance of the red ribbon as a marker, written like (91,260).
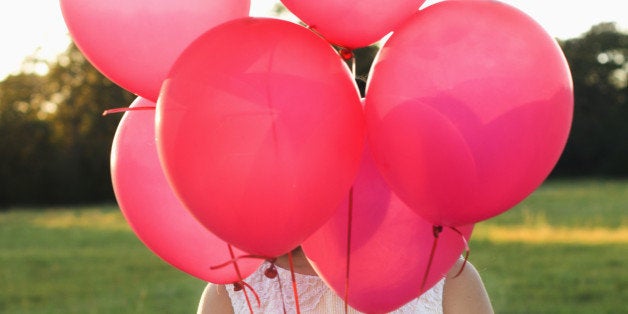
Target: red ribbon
(437,231)
(125,109)
(294,283)
(349,228)
(466,248)
(242,283)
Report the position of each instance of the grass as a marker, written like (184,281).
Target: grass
(562,250)
(85,260)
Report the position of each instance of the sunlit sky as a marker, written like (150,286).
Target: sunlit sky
(29,27)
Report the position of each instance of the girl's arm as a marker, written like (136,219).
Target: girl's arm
(465,293)
(215,300)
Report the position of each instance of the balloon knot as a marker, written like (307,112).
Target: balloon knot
(271,271)
(238,286)
(345,53)
(437,230)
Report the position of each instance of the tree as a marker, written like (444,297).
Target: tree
(598,144)
(80,133)
(56,148)
(25,141)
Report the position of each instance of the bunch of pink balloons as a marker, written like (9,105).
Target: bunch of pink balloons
(260,142)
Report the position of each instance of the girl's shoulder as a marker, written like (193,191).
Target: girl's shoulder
(464,291)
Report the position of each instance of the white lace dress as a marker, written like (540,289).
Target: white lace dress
(314,296)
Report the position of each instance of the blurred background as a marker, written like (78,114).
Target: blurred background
(65,248)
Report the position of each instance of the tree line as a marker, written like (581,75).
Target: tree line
(55,143)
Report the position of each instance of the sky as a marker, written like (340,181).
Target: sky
(36,27)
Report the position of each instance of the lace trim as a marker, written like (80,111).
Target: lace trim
(276,293)
(272,291)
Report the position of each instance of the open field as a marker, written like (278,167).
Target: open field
(85,260)
(563,250)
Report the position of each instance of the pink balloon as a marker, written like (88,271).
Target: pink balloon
(260,132)
(154,212)
(468,109)
(353,24)
(134,43)
(390,247)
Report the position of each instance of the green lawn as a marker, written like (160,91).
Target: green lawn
(85,260)
(563,250)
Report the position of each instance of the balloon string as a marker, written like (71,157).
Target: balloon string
(436,230)
(235,265)
(312,28)
(237,269)
(294,283)
(349,228)
(125,109)
(466,249)
(353,65)
(236,259)
(272,273)
(259,303)
(283,300)
(242,285)
(345,53)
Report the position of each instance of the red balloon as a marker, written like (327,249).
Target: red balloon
(134,43)
(390,247)
(468,109)
(154,212)
(260,132)
(353,24)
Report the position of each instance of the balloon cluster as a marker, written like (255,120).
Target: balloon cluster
(263,143)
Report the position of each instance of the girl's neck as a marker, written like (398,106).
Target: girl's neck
(300,262)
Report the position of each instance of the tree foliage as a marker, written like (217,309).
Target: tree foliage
(55,144)
(25,139)
(598,144)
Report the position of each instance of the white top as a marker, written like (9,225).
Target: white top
(314,296)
